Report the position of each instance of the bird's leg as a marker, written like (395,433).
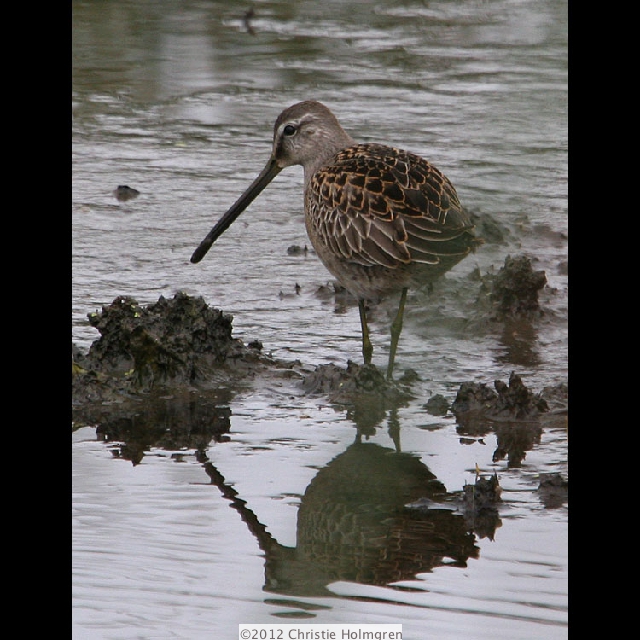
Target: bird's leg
(396,328)
(367,348)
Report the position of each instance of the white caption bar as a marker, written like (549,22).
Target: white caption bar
(320,632)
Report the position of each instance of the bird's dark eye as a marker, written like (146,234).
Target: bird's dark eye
(289,130)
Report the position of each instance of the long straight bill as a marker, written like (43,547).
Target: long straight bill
(270,171)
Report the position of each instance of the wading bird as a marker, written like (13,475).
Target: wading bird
(381,219)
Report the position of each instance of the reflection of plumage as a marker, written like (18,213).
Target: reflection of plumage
(353,525)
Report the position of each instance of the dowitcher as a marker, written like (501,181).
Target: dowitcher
(381,219)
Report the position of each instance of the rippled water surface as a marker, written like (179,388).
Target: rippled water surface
(178,100)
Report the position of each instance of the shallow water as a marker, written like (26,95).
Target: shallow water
(179,101)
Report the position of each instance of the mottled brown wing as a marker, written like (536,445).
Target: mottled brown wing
(377,205)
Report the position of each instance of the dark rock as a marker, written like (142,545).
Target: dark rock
(515,289)
(512,411)
(484,493)
(297,250)
(437,405)
(509,297)
(123,193)
(164,340)
(508,402)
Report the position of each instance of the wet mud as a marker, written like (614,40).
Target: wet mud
(168,367)
(165,374)
(171,344)
(182,343)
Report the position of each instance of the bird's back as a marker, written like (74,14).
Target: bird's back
(381,210)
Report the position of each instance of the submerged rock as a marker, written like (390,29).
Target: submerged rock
(335,381)
(510,296)
(342,385)
(489,228)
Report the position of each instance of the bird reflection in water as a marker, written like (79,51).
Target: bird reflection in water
(353,524)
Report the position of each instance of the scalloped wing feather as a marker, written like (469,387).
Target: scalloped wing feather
(377,205)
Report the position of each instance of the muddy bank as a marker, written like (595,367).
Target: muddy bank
(182,349)
(164,375)
(182,340)
(171,363)
(177,343)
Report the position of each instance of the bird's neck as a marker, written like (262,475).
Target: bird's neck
(329,147)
